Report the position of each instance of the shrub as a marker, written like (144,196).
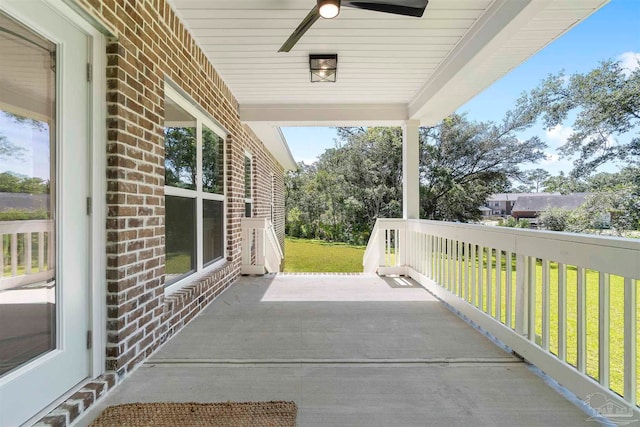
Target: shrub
(23,215)
(555,219)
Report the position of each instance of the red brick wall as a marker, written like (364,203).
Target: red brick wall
(151,45)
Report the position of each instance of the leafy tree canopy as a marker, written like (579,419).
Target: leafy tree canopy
(462,162)
(606,104)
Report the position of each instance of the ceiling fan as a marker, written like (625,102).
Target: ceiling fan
(331,8)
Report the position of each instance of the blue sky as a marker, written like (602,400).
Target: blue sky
(613,32)
(34,160)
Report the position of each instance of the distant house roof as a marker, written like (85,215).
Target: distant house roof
(540,202)
(484,209)
(504,197)
(23,201)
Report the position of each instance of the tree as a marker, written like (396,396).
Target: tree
(564,184)
(606,101)
(536,177)
(11,183)
(341,196)
(462,162)
(9,149)
(180,157)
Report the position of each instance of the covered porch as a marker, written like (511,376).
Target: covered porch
(349,350)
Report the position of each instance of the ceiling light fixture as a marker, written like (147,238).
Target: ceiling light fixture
(329,8)
(324,68)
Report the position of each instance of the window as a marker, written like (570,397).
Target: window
(194,190)
(248,183)
(28,184)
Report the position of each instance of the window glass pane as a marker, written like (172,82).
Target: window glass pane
(179,147)
(27,183)
(180,226)
(213,230)
(247,177)
(212,161)
(247,210)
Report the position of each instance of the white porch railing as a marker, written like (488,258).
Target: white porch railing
(261,252)
(20,264)
(567,303)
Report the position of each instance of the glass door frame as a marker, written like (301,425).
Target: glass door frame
(96,161)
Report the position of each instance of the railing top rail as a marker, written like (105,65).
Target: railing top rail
(255,222)
(618,256)
(611,241)
(26,226)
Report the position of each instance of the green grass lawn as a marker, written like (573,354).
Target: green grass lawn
(316,256)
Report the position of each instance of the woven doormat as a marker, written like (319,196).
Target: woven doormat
(230,414)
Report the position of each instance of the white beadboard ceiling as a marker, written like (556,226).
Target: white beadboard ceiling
(390,68)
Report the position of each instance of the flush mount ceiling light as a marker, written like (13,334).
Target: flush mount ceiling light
(324,68)
(329,8)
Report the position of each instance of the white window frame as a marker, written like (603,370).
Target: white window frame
(273,198)
(248,155)
(202,120)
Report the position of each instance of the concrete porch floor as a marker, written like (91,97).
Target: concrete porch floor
(350,350)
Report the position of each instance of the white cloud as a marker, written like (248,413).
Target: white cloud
(629,61)
(554,164)
(308,161)
(558,135)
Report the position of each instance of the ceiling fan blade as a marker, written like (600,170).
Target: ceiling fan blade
(304,26)
(399,7)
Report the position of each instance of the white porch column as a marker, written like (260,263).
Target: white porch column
(410,171)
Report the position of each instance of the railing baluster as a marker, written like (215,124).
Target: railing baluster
(531,306)
(562,311)
(422,258)
(522,282)
(426,261)
(460,275)
(481,277)
(630,340)
(27,253)
(14,254)
(399,255)
(545,305)
(467,265)
(435,266)
(582,319)
(41,251)
(474,270)
(428,256)
(387,248)
(441,261)
(51,258)
(489,282)
(382,246)
(450,274)
(454,266)
(498,271)
(421,252)
(604,288)
(508,289)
